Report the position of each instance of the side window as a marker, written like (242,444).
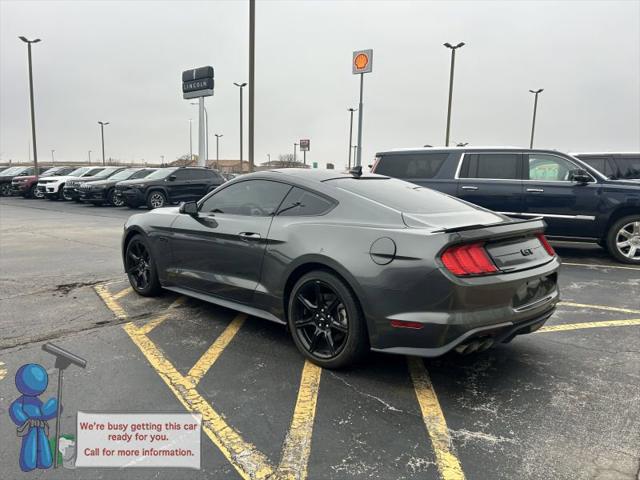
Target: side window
(182,175)
(628,167)
(549,168)
(423,165)
(201,174)
(301,202)
(251,197)
(502,166)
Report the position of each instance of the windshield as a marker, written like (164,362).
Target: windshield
(160,173)
(143,173)
(124,174)
(79,171)
(402,196)
(62,171)
(12,171)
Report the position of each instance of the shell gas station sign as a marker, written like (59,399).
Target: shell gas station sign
(362,61)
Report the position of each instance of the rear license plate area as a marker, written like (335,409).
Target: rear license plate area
(534,290)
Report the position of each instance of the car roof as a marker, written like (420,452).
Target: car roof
(604,153)
(451,149)
(317,175)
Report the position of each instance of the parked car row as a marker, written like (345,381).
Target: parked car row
(577,201)
(115,186)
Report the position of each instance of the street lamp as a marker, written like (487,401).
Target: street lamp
(453,62)
(53,160)
(268,159)
(535,108)
(102,125)
(162,160)
(206,135)
(351,110)
(89,157)
(218,137)
(33,114)
(240,86)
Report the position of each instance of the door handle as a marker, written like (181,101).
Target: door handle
(535,190)
(469,187)
(249,236)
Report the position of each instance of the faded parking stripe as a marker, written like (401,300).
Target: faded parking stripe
(110,302)
(599,307)
(3,371)
(446,460)
(584,325)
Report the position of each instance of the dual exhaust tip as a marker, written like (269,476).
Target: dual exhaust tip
(473,346)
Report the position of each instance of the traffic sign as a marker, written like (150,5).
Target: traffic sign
(362,61)
(305,145)
(197,82)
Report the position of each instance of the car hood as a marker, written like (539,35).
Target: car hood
(28,177)
(138,181)
(104,181)
(459,219)
(63,178)
(7,178)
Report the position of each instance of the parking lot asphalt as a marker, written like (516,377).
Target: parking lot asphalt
(562,403)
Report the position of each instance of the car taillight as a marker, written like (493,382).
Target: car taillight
(472,259)
(545,244)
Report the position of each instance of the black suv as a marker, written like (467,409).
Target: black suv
(576,201)
(70,190)
(169,185)
(616,166)
(103,192)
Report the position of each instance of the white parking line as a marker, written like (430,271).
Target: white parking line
(596,265)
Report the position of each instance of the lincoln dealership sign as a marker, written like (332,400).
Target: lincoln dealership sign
(197,82)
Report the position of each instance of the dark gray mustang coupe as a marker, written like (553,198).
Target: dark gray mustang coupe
(351,262)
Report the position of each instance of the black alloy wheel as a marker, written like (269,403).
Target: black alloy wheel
(140,268)
(5,189)
(115,199)
(38,193)
(156,199)
(326,321)
(65,195)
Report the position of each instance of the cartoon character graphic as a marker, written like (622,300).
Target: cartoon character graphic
(31,417)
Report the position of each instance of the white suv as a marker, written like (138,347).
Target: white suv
(52,187)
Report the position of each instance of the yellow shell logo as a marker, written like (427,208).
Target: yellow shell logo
(361,61)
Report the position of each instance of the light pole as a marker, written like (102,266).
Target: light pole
(190,141)
(162,160)
(351,110)
(535,108)
(240,86)
(206,129)
(218,137)
(269,159)
(102,124)
(355,150)
(453,62)
(89,157)
(33,114)
(252,80)
(295,146)
(53,160)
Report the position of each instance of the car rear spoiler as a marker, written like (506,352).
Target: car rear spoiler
(497,230)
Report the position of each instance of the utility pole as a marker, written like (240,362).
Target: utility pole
(453,63)
(89,157)
(252,79)
(53,160)
(218,137)
(295,146)
(102,125)
(162,160)
(240,86)
(268,159)
(33,114)
(535,108)
(351,110)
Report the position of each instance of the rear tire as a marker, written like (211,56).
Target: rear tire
(141,267)
(326,321)
(623,240)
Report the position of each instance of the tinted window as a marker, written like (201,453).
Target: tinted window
(424,165)
(490,165)
(549,168)
(301,202)
(92,172)
(142,173)
(183,174)
(628,167)
(252,197)
(203,173)
(402,196)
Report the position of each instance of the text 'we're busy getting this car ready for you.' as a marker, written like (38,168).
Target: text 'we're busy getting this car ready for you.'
(351,262)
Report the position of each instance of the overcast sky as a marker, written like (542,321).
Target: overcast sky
(121,62)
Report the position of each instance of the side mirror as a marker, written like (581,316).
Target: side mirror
(579,176)
(172,178)
(190,208)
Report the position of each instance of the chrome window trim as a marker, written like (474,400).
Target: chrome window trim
(590,218)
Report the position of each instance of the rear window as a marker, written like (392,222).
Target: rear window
(403,196)
(423,165)
(502,166)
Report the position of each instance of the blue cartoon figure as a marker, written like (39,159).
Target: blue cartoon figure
(31,415)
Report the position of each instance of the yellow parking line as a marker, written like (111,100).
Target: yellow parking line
(151,324)
(598,307)
(297,445)
(579,326)
(122,293)
(113,305)
(249,462)
(205,362)
(600,266)
(3,371)
(446,460)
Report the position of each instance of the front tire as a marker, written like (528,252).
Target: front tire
(64,196)
(141,268)
(623,240)
(326,321)
(5,190)
(156,199)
